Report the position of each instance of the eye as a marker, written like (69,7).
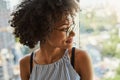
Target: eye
(64,29)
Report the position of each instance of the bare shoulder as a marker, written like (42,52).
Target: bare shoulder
(25,59)
(24,67)
(83,58)
(81,55)
(83,64)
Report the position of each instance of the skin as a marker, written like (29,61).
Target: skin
(53,50)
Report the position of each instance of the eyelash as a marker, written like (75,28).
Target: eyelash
(65,29)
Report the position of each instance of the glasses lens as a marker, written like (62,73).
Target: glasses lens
(72,27)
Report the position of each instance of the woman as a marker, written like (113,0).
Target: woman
(51,23)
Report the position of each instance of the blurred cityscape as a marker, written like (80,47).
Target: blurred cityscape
(99,25)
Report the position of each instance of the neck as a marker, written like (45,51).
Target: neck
(49,51)
(49,54)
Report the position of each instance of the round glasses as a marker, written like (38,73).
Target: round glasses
(68,29)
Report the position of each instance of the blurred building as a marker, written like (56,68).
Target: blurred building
(6,37)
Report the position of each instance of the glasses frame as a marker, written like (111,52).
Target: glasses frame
(68,30)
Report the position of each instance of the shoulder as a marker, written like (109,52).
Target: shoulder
(25,66)
(81,55)
(83,64)
(25,60)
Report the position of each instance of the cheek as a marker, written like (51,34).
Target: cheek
(58,37)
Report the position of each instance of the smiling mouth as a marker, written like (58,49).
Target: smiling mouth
(69,41)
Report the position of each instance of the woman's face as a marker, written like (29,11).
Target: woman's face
(62,35)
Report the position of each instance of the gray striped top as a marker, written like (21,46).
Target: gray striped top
(59,70)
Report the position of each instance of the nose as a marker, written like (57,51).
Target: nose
(72,33)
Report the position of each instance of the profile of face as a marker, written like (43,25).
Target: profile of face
(62,35)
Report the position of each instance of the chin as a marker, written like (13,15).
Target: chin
(66,46)
(69,46)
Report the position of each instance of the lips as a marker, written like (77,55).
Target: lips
(70,40)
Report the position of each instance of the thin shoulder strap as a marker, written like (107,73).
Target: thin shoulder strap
(73,56)
(31,62)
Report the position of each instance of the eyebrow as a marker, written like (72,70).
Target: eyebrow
(63,22)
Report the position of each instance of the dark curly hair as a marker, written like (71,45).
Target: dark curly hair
(33,20)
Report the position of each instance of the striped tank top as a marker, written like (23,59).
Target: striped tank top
(59,70)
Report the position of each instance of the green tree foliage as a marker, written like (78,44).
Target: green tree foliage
(98,20)
(116,77)
(110,45)
(91,19)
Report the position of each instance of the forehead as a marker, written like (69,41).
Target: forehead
(66,20)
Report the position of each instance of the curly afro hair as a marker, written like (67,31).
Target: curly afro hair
(33,20)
